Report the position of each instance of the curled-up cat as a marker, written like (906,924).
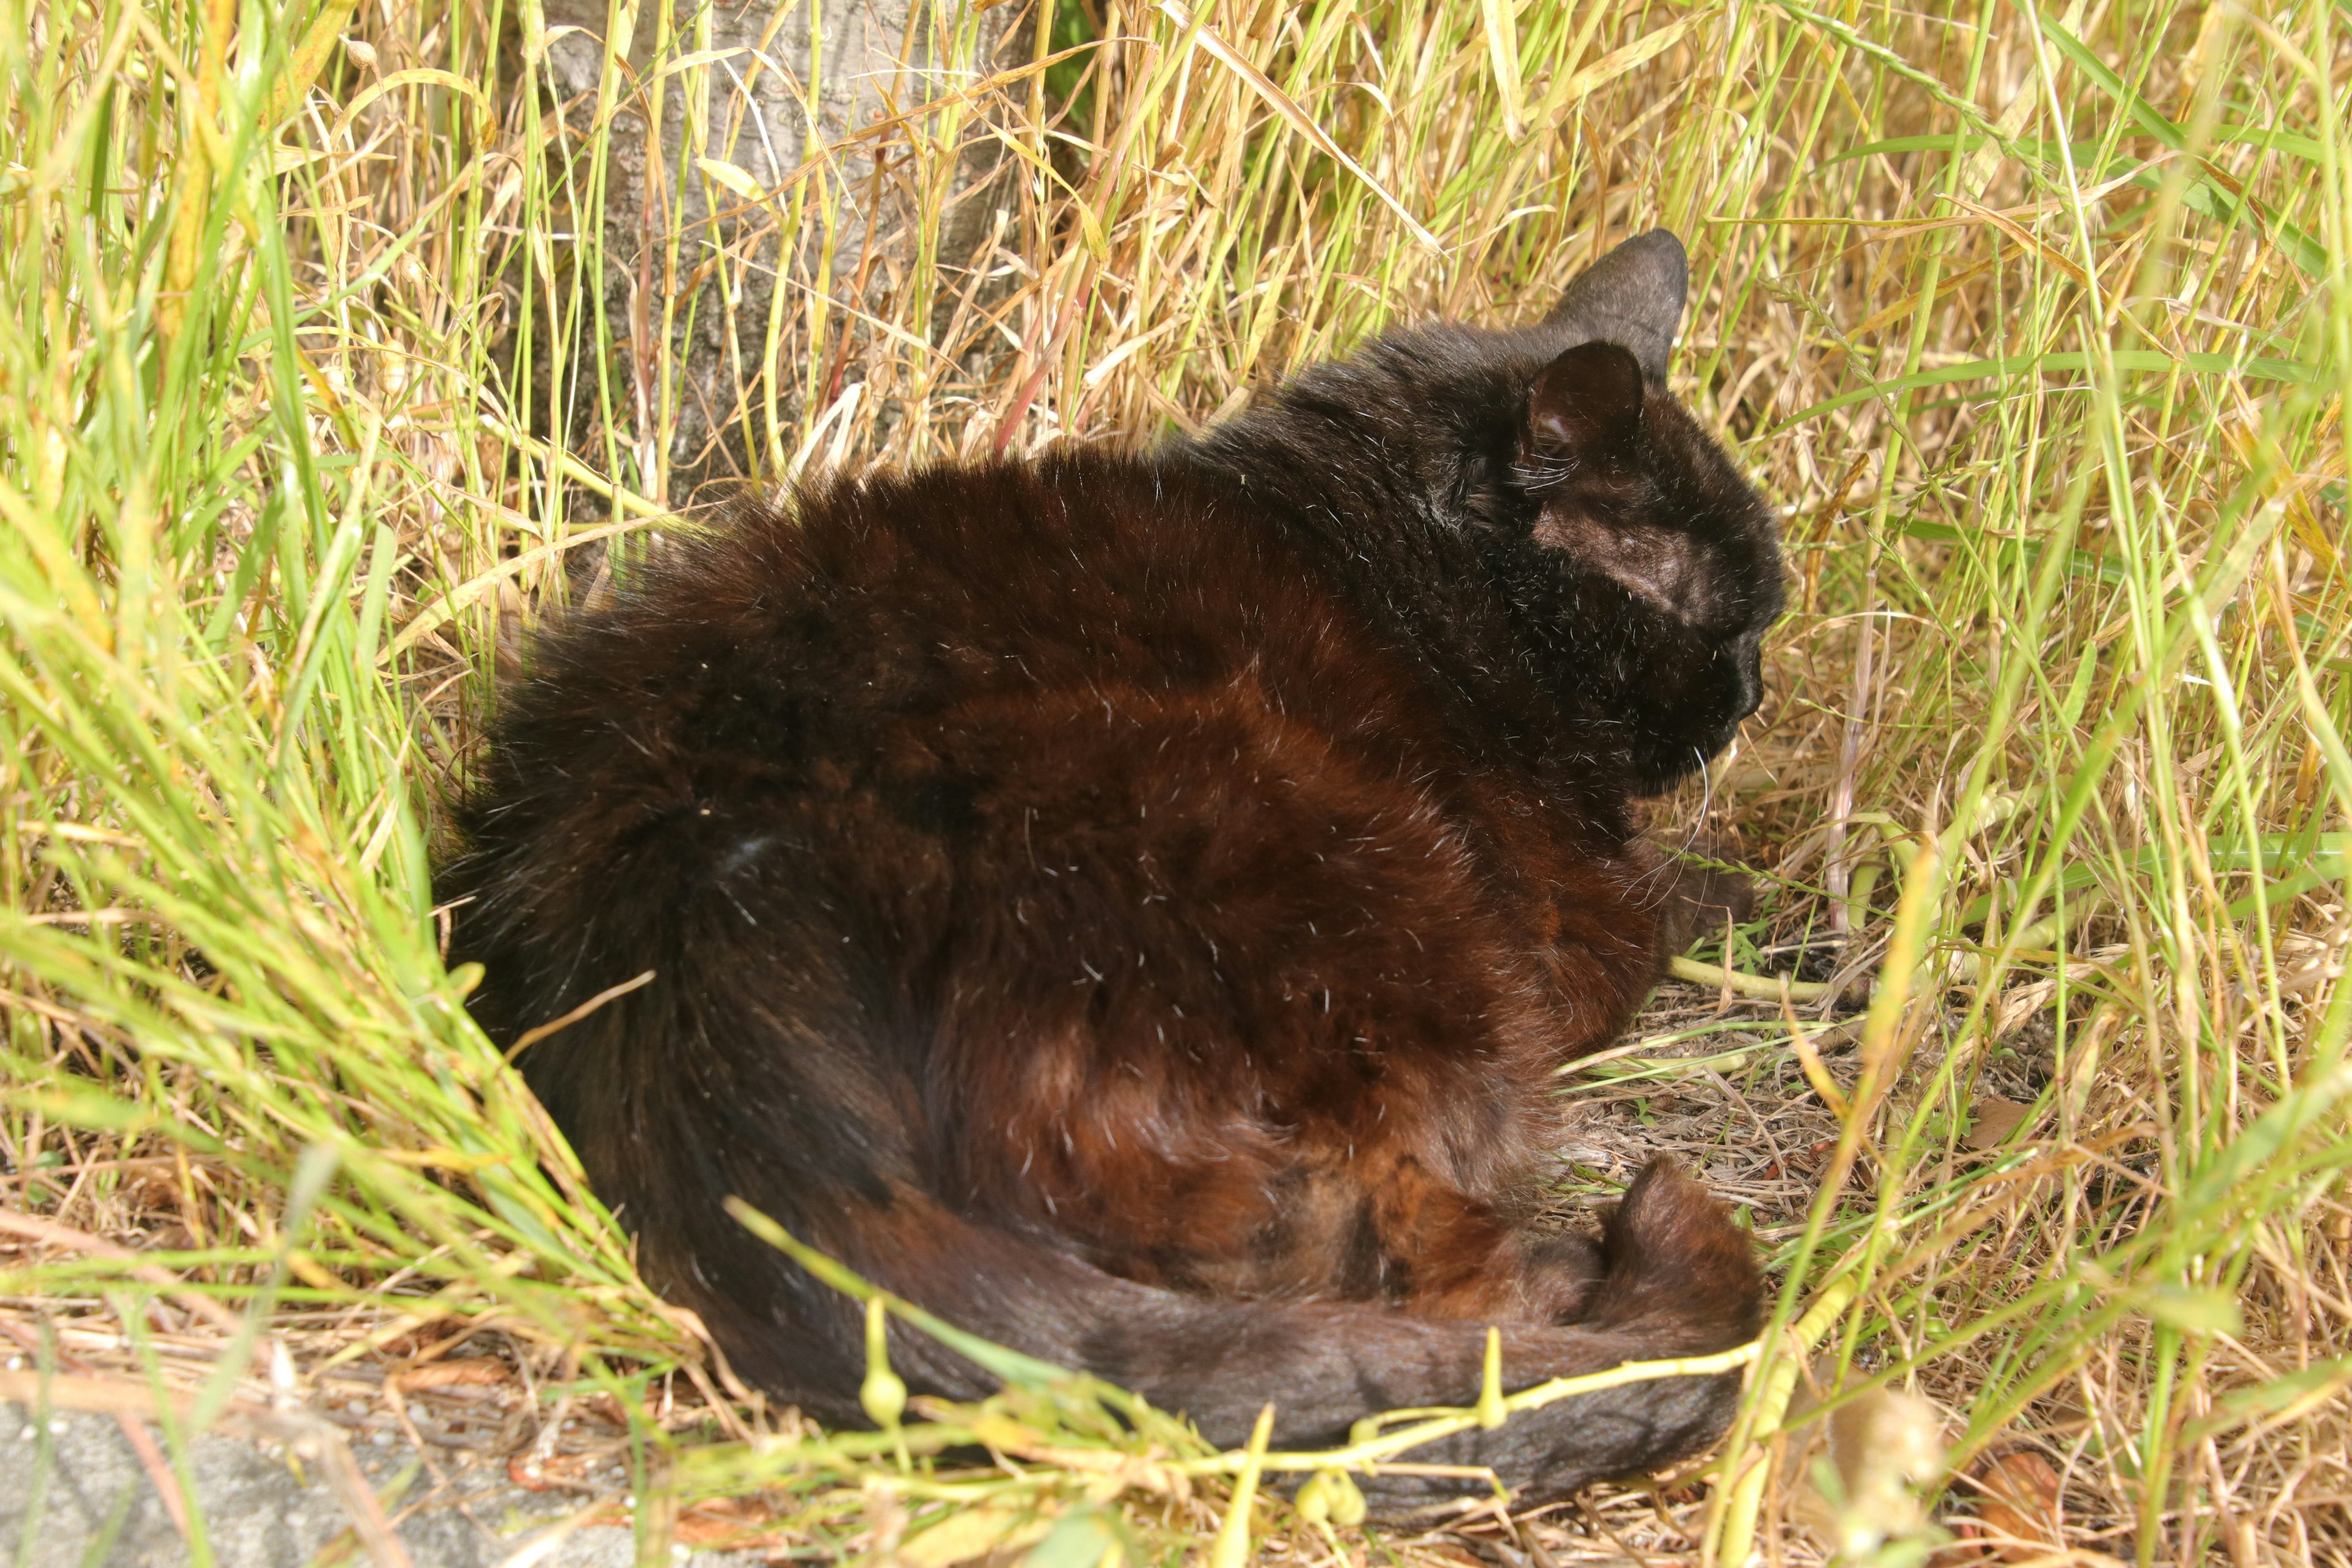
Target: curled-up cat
(1136,905)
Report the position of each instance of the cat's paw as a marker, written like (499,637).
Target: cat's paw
(1560,1275)
(1679,1266)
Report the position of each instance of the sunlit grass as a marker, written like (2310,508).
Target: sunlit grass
(316,378)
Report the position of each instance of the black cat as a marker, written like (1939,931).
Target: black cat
(1136,906)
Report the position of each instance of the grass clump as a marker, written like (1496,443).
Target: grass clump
(320,369)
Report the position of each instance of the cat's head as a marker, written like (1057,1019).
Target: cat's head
(1658,565)
(1641,564)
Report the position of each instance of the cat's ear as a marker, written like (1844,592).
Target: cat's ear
(1632,296)
(1583,412)
(1584,406)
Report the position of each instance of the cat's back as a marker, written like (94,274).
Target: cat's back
(787,639)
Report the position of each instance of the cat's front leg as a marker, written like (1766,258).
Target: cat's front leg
(1700,900)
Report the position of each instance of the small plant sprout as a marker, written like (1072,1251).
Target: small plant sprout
(1492,1412)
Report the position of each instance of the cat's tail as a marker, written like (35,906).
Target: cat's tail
(1680,1281)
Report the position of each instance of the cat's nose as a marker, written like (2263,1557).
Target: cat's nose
(1748,687)
(1746,678)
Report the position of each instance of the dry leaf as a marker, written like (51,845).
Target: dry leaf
(974,1533)
(1993,1120)
(1858,1475)
(727,1524)
(475,1371)
(2019,1515)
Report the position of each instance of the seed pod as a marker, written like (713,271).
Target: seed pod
(883,1394)
(1346,1498)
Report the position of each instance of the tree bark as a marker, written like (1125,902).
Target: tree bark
(796,98)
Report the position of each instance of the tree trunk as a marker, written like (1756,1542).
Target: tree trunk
(772,154)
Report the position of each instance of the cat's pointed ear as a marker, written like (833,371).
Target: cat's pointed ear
(1584,405)
(1632,296)
(1583,412)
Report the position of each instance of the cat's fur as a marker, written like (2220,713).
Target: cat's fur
(1134,905)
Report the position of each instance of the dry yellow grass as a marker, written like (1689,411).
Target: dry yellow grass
(316,381)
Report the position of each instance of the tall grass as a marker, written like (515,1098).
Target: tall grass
(2034,318)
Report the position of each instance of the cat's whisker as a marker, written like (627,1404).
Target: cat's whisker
(1706,799)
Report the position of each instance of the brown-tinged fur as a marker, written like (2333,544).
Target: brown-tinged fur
(1134,906)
